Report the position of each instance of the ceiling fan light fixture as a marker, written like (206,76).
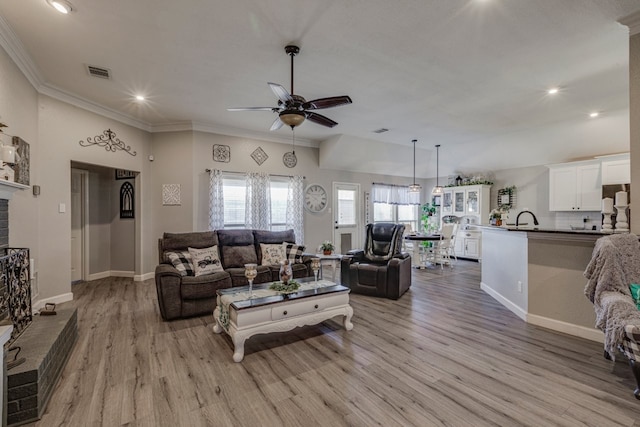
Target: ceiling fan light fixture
(61,6)
(292,118)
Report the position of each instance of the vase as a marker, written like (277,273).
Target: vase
(327,252)
(285,272)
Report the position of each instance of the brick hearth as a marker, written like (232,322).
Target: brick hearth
(46,344)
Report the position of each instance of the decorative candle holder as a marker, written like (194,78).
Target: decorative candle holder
(621,218)
(250,272)
(285,272)
(315,266)
(607,227)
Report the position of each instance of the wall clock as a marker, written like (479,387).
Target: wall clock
(315,198)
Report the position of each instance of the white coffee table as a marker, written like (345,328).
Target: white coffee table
(269,311)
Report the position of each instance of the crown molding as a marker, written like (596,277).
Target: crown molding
(85,104)
(15,49)
(633,22)
(10,42)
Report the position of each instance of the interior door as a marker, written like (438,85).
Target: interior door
(78,184)
(346,216)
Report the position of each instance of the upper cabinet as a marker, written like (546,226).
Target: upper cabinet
(616,169)
(575,186)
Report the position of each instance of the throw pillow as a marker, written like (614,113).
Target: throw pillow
(635,293)
(272,254)
(181,261)
(205,261)
(293,252)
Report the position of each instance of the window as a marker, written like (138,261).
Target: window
(235,195)
(346,207)
(405,214)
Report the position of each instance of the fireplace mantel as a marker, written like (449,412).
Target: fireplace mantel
(7,188)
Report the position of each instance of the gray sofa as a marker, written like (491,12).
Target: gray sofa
(181,296)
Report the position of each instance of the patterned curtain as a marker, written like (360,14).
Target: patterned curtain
(295,208)
(258,203)
(216,200)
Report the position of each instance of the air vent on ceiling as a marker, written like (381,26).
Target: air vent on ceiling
(381,130)
(103,73)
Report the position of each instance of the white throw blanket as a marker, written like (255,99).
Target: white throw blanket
(614,265)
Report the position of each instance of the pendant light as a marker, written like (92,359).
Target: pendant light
(414,188)
(437,190)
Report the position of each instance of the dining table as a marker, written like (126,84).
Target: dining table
(417,260)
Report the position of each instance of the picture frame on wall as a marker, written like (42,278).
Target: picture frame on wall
(436,201)
(125,174)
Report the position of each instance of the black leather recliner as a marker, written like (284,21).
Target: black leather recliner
(379,269)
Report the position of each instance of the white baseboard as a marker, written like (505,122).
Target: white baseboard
(110,273)
(97,276)
(567,328)
(58,299)
(555,325)
(518,311)
(143,277)
(118,273)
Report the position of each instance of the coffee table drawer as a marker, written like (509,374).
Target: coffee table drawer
(285,311)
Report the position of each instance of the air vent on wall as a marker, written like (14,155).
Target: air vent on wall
(103,73)
(381,130)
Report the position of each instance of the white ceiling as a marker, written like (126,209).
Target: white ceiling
(470,75)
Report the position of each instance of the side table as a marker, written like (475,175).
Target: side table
(331,260)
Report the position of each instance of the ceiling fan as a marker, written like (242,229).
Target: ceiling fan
(294,109)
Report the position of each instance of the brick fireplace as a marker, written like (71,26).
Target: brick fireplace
(45,341)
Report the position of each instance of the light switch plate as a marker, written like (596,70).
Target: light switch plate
(62,208)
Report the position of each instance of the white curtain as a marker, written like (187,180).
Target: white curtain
(295,207)
(216,200)
(258,203)
(394,194)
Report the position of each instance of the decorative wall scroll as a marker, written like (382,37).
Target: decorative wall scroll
(259,155)
(367,207)
(221,153)
(171,194)
(125,174)
(109,141)
(126,200)
(21,167)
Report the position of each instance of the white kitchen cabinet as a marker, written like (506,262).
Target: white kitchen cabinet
(447,202)
(616,169)
(575,186)
(470,203)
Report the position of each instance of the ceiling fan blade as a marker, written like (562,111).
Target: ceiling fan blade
(277,124)
(321,120)
(280,92)
(320,103)
(252,109)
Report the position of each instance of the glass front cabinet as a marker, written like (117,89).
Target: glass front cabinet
(471,204)
(447,202)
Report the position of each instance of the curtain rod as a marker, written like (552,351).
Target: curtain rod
(272,174)
(390,185)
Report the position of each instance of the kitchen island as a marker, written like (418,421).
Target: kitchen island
(537,273)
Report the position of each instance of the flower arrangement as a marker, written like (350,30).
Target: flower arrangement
(496,216)
(327,246)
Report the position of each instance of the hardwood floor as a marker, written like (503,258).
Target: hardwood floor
(446,353)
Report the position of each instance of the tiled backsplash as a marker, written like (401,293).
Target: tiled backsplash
(564,220)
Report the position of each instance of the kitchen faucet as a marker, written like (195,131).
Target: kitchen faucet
(535,220)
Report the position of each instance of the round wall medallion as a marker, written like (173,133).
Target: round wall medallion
(289,159)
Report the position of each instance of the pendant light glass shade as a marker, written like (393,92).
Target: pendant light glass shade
(414,188)
(437,190)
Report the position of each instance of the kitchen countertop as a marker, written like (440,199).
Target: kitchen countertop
(545,230)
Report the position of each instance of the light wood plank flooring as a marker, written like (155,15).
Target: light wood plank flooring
(446,353)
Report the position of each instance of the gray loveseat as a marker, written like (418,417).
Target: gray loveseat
(184,295)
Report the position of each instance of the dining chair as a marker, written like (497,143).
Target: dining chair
(441,252)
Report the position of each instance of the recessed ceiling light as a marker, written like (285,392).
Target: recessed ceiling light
(594,114)
(140,97)
(61,6)
(552,91)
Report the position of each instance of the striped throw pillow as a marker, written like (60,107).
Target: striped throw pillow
(293,252)
(181,260)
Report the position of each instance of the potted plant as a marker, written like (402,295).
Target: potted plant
(496,217)
(327,247)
